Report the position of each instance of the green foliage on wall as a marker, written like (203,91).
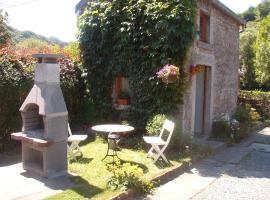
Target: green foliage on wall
(135,39)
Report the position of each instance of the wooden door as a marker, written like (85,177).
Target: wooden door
(201,100)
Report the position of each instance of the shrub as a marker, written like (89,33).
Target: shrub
(221,129)
(154,126)
(73,85)
(245,114)
(258,100)
(236,129)
(128,176)
(238,133)
(15,82)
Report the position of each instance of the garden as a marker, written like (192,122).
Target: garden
(144,44)
(94,178)
(97,179)
(118,39)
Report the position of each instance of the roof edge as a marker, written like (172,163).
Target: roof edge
(229,12)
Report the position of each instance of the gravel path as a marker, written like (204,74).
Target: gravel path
(248,180)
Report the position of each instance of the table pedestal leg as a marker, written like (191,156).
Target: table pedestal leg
(113,147)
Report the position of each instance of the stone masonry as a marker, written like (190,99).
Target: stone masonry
(221,56)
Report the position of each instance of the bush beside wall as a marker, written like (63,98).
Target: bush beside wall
(258,100)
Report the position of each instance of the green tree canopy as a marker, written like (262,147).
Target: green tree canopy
(73,50)
(31,43)
(4,34)
(247,55)
(263,9)
(250,14)
(262,51)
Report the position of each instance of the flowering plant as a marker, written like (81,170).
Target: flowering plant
(169,73)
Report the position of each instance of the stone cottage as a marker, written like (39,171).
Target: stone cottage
(214,64)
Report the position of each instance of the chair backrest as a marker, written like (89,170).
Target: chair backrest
(167,126)
(69,130)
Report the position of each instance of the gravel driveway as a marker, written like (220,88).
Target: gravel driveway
(248,180)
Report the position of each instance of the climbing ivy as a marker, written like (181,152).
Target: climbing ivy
(134,39)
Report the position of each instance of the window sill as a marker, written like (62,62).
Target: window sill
(121,107)
(204,46)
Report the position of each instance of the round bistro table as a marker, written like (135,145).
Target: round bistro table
(114,131)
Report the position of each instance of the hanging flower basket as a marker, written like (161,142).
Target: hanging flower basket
(168,74)
(169,79)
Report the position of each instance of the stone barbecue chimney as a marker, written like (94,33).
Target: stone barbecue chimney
(45,121)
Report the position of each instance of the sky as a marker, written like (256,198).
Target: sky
(57,17)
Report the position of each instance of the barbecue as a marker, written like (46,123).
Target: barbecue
(44,121)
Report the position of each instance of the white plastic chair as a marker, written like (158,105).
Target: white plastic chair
(73,144)
(158,144)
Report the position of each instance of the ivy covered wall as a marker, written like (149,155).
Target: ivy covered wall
(134,39)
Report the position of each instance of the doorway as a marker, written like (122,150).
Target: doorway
(202,100)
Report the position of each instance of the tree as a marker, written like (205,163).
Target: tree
(262,51)
(31,43)
(247,55)
(73,50)
(4,33)
(263,9)
(249,15)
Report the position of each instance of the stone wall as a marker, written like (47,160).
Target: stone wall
(222,57)
(226,50)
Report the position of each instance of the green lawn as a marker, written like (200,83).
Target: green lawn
(92,173)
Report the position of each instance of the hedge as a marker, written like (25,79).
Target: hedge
(16,80)
(258,100)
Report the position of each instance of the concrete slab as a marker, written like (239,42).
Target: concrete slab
(260,147)
(215,145)
(262,136)
(192,182)
(16,183)
(232,155)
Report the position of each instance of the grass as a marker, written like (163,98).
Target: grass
(92,173)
